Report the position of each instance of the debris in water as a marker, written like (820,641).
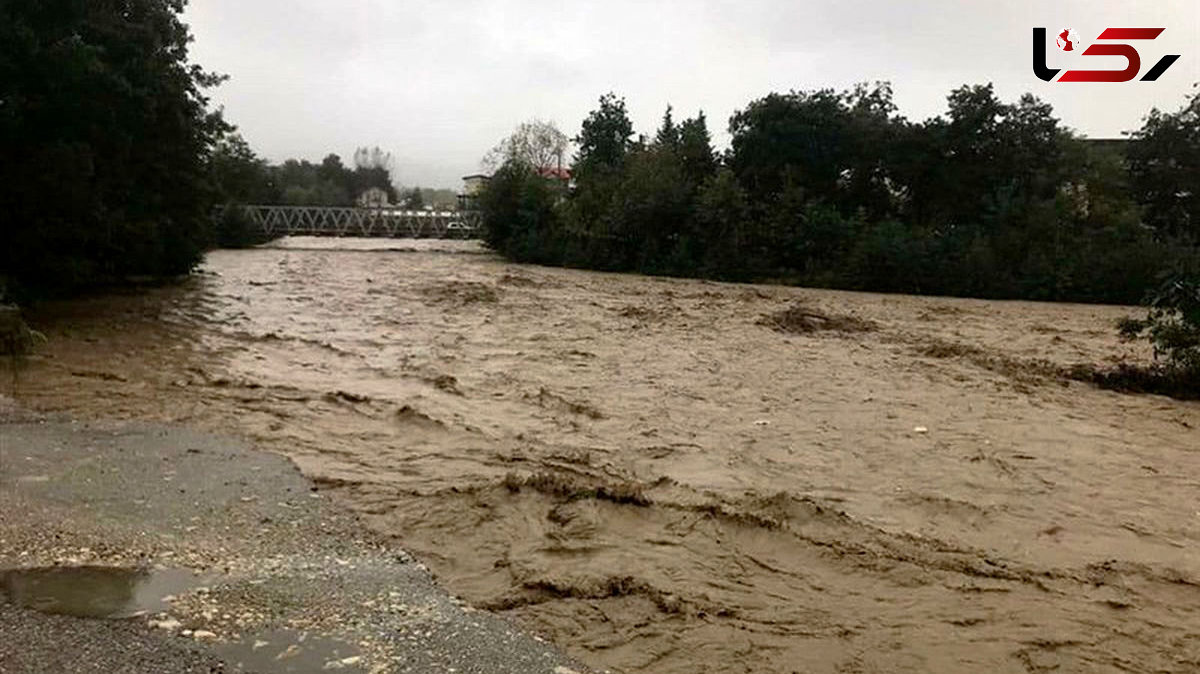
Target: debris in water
(800,319)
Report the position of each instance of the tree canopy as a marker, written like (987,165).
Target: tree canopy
(836,188)
(106,135)
(536,143)
(1164,166)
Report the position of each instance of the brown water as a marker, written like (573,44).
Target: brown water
(649,473)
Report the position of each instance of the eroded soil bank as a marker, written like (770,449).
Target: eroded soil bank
(674,476)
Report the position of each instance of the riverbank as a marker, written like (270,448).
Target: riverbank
(264,574)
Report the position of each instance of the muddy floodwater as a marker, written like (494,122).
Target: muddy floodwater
(661,477)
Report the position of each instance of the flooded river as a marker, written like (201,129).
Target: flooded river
(654,475)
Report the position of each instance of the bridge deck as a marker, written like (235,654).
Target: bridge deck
(382,222)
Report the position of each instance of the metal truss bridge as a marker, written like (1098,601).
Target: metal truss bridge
(375,222)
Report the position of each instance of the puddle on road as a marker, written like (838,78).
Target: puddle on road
(94,591)
(118,592)
(288,652)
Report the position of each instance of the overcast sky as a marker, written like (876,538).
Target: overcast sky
(439,82)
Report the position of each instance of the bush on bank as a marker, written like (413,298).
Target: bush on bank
(1173,326)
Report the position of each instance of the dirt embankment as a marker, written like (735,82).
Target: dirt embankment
(680,476)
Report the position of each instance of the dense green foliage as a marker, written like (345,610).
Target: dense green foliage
(1164,169)
(238,177)
(114,165)
(537,143)
(330,183)
(105,135)
(835,189)
(435,198)
(241,177)
(1173,323)
(523,207)
(1164,163)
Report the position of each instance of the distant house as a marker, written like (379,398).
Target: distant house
(563,174)
(468,198)
(374,197)
(474,184)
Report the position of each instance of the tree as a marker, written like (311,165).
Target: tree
(653,209)
(603,143)
(106,133)
(668,133)
(331,168)
(332,183)
(991,199)
(239,177)
(839,148)
(519,214)
(722,218)
(1173,327)
(1164,167)
(535,143)
(372,170)
(696,150)
(989,160)
(870,181)
(795,139)
(414,199)
(373,158)
(1164,171)
(604,139)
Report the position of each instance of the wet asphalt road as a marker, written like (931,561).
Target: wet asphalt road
(287,581)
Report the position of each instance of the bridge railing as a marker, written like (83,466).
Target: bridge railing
(378,222)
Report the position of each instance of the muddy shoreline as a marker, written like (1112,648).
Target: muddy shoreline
(644,470)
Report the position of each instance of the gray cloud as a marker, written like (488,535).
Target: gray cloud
(439,83)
